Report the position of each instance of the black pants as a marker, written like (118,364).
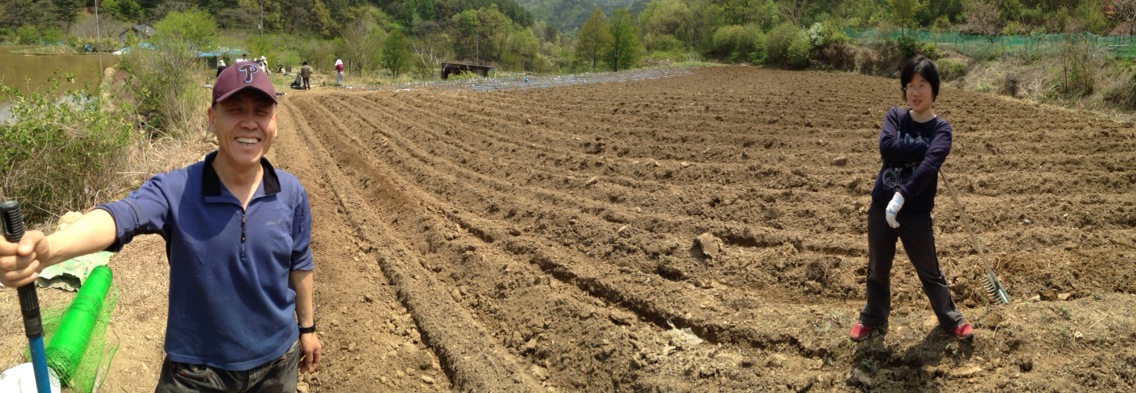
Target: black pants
(916,233)
(307,85)
(276,376)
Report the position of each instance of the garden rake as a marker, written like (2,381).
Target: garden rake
(994,289)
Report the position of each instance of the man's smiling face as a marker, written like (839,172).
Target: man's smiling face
(245,125)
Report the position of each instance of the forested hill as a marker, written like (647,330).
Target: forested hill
(569,15)
(320,17)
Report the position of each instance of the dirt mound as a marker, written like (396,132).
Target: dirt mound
(557,239)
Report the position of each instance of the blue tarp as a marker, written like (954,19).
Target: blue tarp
(143,45)
(221,52)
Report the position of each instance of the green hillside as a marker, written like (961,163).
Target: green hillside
(569,15)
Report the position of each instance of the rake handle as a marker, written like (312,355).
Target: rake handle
(993,286)
(13,224)
(966,221)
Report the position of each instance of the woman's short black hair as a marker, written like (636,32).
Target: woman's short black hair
(924,67)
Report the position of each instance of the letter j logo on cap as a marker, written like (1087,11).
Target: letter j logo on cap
(248,70)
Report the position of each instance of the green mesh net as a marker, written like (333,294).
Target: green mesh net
(77,351)
(1122,47)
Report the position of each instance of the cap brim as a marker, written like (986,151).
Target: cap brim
(248,87)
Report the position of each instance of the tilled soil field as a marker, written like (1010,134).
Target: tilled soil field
(700,231)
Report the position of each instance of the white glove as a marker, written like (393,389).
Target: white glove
(893,209)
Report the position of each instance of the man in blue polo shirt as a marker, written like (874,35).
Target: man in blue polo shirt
(237,237)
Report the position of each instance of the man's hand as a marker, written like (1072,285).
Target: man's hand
(18,263)
(893,209)
(310,344)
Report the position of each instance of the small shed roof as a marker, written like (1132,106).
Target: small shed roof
(141,31)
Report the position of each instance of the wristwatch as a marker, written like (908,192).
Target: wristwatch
(309,329)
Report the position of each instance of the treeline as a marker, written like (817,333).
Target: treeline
(394,38)
(384,39)
(506,34)
(323,18)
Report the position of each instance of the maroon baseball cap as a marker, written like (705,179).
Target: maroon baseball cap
(240,76)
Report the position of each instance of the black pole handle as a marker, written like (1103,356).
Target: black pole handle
(13,224)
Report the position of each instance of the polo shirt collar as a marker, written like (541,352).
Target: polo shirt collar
(211,183)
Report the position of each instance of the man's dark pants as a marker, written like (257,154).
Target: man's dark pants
(278,375)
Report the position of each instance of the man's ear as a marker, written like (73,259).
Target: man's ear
(210,116)
(276,128)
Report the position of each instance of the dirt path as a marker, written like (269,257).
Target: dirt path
(543,240)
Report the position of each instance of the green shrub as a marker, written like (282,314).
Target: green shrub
(1077,68)
(799,51)
(725,41)
(60,154)
(738,43)
(823,35)
(951,69)
(673,57)
(910,46)
(105,45)
(663,43)
(289,58)
(779,41)
(27,35)
(752,45)
(260,45)
(163,89)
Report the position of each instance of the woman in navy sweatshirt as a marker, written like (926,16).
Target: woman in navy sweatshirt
(914,142)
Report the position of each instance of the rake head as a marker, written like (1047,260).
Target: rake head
(994,289)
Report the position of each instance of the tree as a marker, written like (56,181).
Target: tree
(984,17)
(1090,13)
(904,11)
(358,45)
(521,50)
(67,11)
(797,11)
(668,18)
(625,47)
(468,26)
(195,28)
(1124,11)
(859,13)
(952,10)
(426,9)
(321,18)
(594,39)
(396,53)
(430,51)
(127,10)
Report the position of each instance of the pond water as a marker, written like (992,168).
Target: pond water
(32,73)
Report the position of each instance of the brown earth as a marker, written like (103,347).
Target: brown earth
(545,240)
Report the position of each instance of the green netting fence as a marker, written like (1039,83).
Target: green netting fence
(1121,47)
(77,351)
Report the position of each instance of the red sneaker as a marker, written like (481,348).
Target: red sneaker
(963,331)
(860,332)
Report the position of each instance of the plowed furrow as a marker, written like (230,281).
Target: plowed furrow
(624,287)
(639,194)
(609,219)
(505,281)
(471,359)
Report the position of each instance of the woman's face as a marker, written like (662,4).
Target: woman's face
(918,94)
